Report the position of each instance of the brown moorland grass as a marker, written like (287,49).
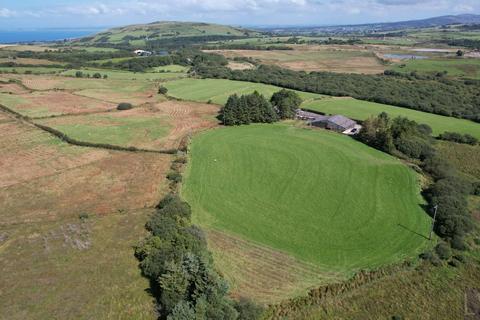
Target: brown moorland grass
(62,180)
(349,59)
(74,269)
(48,103)
(464,157)
(423,293)
(12,88)
(263,274)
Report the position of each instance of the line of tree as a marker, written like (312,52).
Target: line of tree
(455,98)
(175,258)
(407,139)
(458,138)
(73,56)
(243,46)
(255,108)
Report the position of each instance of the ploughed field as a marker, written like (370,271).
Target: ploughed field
(317,196)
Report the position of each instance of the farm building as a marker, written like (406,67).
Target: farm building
(142,53)
(337,122)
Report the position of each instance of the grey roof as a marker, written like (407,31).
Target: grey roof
(341,121)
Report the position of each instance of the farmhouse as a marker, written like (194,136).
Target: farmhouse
(142,53)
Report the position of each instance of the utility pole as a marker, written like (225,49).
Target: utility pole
(433,222)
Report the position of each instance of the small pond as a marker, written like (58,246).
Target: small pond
(402,56)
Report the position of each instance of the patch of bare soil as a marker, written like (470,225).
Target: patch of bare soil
(261,273)
(186,118)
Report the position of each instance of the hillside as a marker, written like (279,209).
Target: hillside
(139,34)
(386,26)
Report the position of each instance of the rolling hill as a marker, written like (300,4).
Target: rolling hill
(384,26)
(139,34)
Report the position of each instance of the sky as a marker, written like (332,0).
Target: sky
(29,14)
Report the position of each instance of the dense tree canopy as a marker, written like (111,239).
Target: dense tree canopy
(246,109)
(286,102)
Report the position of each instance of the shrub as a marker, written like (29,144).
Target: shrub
(97,75)
(458,243)
(454,263)
(162,90)
(174,176)
(124,106)
(83,216)
(79,74)
(105,76)
(443,251)
(476,241)
(248,310)
(460,258)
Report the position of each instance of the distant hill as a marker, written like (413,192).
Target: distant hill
(385,26)
(140,34)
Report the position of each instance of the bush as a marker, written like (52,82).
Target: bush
(443,251)
(124,106)
(460,258)
(477,241)
(174,176)
(97,75)
(454,263)
(105,76)
(458,138)
(458,243)
(83,216)
(162,90)
(248,310)
(79,74)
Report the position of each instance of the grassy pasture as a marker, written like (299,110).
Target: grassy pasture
(218,90)
(33,70)
(465,68)
(125,128)
(127,75)
(315,195)
(361,110)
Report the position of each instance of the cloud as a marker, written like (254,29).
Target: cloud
(7,13)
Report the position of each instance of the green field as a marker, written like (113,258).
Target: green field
(218,90)
(360,110)
(133,130)
(33,70)
(127,75)
(466,68)
(318,196)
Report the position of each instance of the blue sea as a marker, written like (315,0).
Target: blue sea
(16,36)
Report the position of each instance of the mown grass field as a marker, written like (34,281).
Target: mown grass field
(218,90)
(465,68)
(318,196)
(361,110)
